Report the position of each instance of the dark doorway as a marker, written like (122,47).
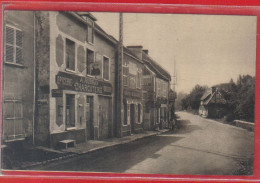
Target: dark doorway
(89,117)
(132,117)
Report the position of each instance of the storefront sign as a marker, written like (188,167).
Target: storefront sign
(67,81)
(132,94)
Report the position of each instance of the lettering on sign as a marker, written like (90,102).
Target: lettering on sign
(66,81)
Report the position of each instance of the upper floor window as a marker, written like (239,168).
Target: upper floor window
(125,74)
(139,78)
(70,55)
(90,33)
(106,68)
(13,45)
(90,61)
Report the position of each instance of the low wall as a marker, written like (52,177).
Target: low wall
(244,124)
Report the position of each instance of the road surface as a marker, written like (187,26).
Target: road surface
(199,147)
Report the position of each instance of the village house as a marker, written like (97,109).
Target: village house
(60,81)
(156,85)
(212,104)
(75,80)
(132,93)
(18,77)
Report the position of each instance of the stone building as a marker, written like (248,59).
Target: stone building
(132,93)
(18,81)
(75,80)
(155,91)
(60,81)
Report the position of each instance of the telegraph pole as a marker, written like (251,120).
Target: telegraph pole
(119,79)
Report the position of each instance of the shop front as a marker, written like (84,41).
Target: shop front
(83,109)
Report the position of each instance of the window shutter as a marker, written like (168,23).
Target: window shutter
(19,38)
(19,55)
(9,53)
(10,35)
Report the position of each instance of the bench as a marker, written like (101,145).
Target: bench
(67,143)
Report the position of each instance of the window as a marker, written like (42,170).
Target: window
(132,81)
(90,61)
(125,113)
(13,45)
(90,33)
(139,112)
(70,110)
(138,78)
(106,68)
(125,74)
(70,55)
(13,120)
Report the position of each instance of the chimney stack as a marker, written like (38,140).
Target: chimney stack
(137,50)
(146,52)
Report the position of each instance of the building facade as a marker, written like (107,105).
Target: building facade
(18,80)
(65,67)
(75,82)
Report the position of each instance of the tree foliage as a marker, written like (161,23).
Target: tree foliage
(240,97)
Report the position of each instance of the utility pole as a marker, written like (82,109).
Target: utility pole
(119,79)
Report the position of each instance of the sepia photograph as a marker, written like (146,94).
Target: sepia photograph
(137,93)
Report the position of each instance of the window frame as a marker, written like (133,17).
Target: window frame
(94,60)
(108,59)
(15,46)
(65,112)
(93,31)
(75,55)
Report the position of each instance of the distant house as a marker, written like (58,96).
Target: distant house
(212,104)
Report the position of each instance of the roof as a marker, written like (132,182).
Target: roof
(208,96)
(155,67)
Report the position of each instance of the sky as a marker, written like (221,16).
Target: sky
(207,49)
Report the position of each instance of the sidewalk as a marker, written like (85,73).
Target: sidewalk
(47,155)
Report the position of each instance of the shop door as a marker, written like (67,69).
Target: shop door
(90,117)
(105,118)
(132,117)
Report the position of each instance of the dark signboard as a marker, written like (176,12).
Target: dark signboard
(135,94)
(67,81)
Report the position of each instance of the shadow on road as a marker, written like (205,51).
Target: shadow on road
(119,158)
(185,126)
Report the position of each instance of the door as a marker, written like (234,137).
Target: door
(132,117)
(105,117)
(90,117)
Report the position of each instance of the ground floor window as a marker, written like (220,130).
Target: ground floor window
(139,112)
(70,110)
(13,119)
(125,113)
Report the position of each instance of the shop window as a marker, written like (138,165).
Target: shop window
(70,110)
(90,61)
(106,68)
(70,55)
(125,113)
(90,33)
(13,45)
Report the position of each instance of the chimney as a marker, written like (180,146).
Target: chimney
(146,52)
(137,50)
(213,89)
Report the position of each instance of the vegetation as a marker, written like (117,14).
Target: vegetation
(240,97)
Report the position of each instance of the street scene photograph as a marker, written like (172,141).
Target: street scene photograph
(136,93)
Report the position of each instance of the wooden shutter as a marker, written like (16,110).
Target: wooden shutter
(9,48)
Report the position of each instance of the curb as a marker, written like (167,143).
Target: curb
(67,156)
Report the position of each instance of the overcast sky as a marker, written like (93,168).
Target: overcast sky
(208,49)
